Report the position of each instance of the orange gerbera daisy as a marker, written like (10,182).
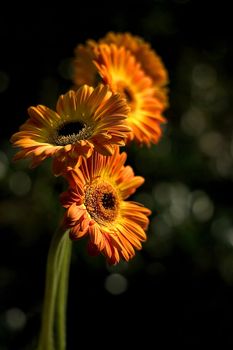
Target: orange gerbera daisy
(87,119)
(150,62)
(96,206)
(119,69)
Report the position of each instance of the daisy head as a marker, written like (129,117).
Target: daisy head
(120,70)
(88,119)
(96,207)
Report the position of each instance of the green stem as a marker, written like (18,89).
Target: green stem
(61,302)
(54,265)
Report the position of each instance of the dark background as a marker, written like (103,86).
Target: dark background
(179,289)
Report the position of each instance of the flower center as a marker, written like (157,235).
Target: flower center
(70,128)
(102,202)
(108,200)
(127,93)
(70,133)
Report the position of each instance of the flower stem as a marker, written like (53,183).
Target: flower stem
(61,302)
(56,256)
